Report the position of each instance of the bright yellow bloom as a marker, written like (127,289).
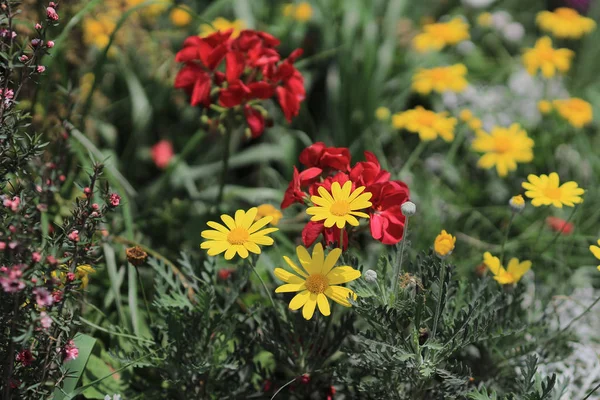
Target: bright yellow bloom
(509,276)
(82,273)
(465,115)
(382,113)
(485,19)
(546,190)
(268,210)
(438,35)
(181,16)
(596,252)
(544,106)
(339,206)
(444,244)
(98,31)
(517,203)
(303,12)
(576,111)
(565,23)
(475,124)
(240,235)
(428,124)
(440,79)
(503,148)
(546,58)
(221,24)
(316,279)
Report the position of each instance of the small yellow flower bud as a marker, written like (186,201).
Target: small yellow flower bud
(465,115)
(382,113)
(544,106)
(444,244)
(517,203)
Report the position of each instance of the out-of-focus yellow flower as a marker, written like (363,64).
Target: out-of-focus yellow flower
(444,244)
(465,115)
(546,58)
(596,252)
(485,19)
(288,10)
(428,124)
(546,190)
(440,79)
(503,148)
(82,273)
(438,35)
(303,12)
(565,23)
(576,111)
(268,210)
(509,276)
(517,203)
(475,124)
(221,24)
(181,16)
(97,31)
(382,113)
(86,82)
(544,106)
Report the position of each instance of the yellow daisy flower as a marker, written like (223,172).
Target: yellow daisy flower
(181,16)
(438,35)
(428,124)
(240,235)
(577,112)
(316,280)
(546,58)
(596,252)
(303,11)
(221,24)
(544,106)
(465,115)
(503,148)
(268,210)
(565,22)
(339,206)
(510,275)
(440,79)
(444,244)
(382,113)
(545,190)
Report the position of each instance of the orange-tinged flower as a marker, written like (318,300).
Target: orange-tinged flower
(577,112)
(438,35)
(543,57)
(565,23)
(268,210)
(440,79)
(181,16)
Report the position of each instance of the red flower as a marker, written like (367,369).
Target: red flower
(340,178)
(255,121)
(294,192)
(162,153)
(386,218)
(25,357)
(560,225)
(367,173)
(292,91)
(321,156)
(331,236)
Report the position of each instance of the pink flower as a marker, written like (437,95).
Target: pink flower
(45,320)
(50,44)
(40,69)
(43,298)
(51,260)
(23,58)
(36,257)
(57,295)
(114,199)
(51,13)
(11,282)
(70,276)
(71,351)
(12,204)
(2,246)
(74,236)
(25,357)
(162,153)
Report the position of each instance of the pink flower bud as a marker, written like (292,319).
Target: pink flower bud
(70,276)
(114,199)
(23,58)
(35,42)
(2,246)
(38,26)
(40,69)
(51,14)
(50,44)
(36,257)
(74,236)
(87,191)
(95,206)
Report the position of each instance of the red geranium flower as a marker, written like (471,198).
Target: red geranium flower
(367,173)
(320,156)
(386,218)
(560,225)
(331,236)
(294,192)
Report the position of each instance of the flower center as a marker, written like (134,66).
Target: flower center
(340,208)
(317,283)
(546,54)
(553,193)
(502,144)
(238,236)
(439,74)
(426,119)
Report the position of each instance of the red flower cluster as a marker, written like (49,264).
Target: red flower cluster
(326,165)
(253,70)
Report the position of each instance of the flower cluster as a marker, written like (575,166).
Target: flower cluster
(340,192)
(253,71)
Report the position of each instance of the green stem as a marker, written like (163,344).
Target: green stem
(439,303)
(455,145)
(144,295)
(577,318)
(396,272)
(414,156)
(264,285)
(512,217)
(225,169)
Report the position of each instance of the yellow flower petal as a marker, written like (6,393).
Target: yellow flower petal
(323,304)
(309,308)
(299,300)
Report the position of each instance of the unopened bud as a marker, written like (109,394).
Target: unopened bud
(409,209)
(370,276)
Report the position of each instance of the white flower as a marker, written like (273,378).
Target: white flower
(513,32)
(478,3)
(465,47)
(500,19)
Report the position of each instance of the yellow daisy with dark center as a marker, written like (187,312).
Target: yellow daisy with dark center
(238,236)
(316,280)
(339,206)
(546,190)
